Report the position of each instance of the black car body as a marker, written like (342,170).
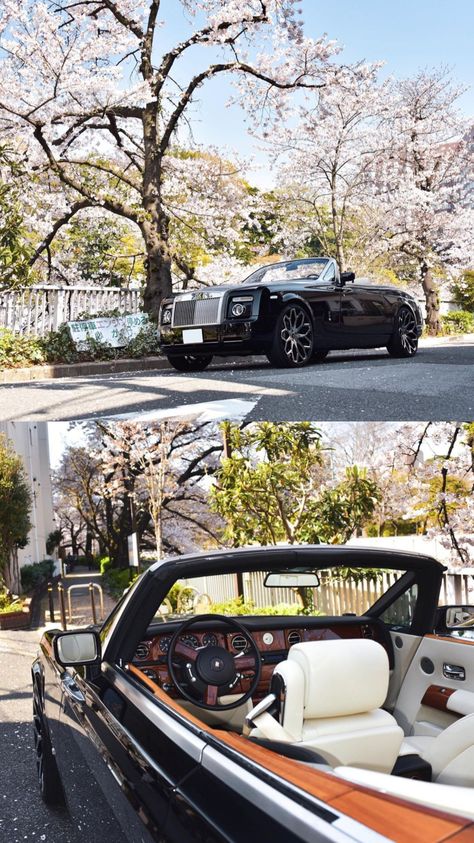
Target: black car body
(131,734)
(292,311)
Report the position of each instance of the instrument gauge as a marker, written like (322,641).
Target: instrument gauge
(165,644)
(209,639)
(190,641)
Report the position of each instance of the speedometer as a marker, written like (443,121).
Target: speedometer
(190,641)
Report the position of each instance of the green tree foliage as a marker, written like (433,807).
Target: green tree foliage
(101,251)
(269,488)
(15,252)
(15,504)
(463,291)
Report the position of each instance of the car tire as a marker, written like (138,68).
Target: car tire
(48,776)
(404,341)
(293,339)
(190,362)
(319,355)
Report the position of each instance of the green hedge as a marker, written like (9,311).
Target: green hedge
(33,575)
(458,322)
(116,580)
(57,347)
(237,606)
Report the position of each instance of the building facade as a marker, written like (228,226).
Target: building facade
(30,441)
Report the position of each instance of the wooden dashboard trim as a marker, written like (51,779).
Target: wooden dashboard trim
(406,823)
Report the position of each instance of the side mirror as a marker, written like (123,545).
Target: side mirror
(457,620)
(347,277)
(77,648)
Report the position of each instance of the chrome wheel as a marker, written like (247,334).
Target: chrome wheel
(293,339)
(404,342)
(407,331)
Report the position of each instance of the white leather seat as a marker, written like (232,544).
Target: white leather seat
(451,753)
(330,698)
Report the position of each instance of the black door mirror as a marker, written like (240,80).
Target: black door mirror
(347,277)
(455,620)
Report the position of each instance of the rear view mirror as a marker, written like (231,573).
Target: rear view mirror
(77,648)
(292,579)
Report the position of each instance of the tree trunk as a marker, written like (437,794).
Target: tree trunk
(11,573)
(430,289)
(155,227)
(158,264)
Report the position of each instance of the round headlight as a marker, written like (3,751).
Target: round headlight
(237,309)
(166,317)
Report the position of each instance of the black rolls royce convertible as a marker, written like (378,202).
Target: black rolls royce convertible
(293,311)
(281,694)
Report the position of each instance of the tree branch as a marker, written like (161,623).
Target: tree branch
(64,220)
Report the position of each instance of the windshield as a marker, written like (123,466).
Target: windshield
(339,591)
(288,271)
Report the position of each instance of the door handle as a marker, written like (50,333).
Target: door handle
(454,671)
(69,687)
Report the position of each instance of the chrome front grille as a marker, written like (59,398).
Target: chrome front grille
(196,312)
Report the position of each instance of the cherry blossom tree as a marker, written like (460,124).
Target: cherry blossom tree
(424,184)
(329,154)
(100,114)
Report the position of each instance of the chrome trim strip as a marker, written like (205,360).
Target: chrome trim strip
(185,739)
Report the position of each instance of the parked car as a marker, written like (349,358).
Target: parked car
(296,726)
(294,311)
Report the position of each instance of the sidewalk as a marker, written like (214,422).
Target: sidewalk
(81,609)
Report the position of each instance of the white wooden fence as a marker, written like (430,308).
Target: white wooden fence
(334,596)
(37,310)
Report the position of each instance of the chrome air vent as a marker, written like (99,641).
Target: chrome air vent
(294,637)
(239,643)
(143,650)
(367,632)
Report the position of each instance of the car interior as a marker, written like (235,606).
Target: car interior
(370,697)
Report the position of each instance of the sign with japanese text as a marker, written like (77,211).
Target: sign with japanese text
(116,331)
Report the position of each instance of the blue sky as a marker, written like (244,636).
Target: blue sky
(407,34)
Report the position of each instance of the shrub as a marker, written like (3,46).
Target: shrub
(116,580)
(34,575)
(458,322)
(58,346)
(145,343)
(237,606)
(9,602)
(18,350)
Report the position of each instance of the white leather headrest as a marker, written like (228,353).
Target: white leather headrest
(342,677)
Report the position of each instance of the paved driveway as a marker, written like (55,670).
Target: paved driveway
(360,385)
(23,815)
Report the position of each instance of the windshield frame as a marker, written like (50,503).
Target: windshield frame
(258,275)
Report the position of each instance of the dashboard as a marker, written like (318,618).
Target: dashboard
(273,642)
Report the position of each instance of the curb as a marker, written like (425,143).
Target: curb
(113,367)
(71,370)
(104,367)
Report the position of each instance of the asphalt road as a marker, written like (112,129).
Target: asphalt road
(23,815)
(359,385)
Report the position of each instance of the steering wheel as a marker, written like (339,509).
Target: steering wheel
(212,671)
